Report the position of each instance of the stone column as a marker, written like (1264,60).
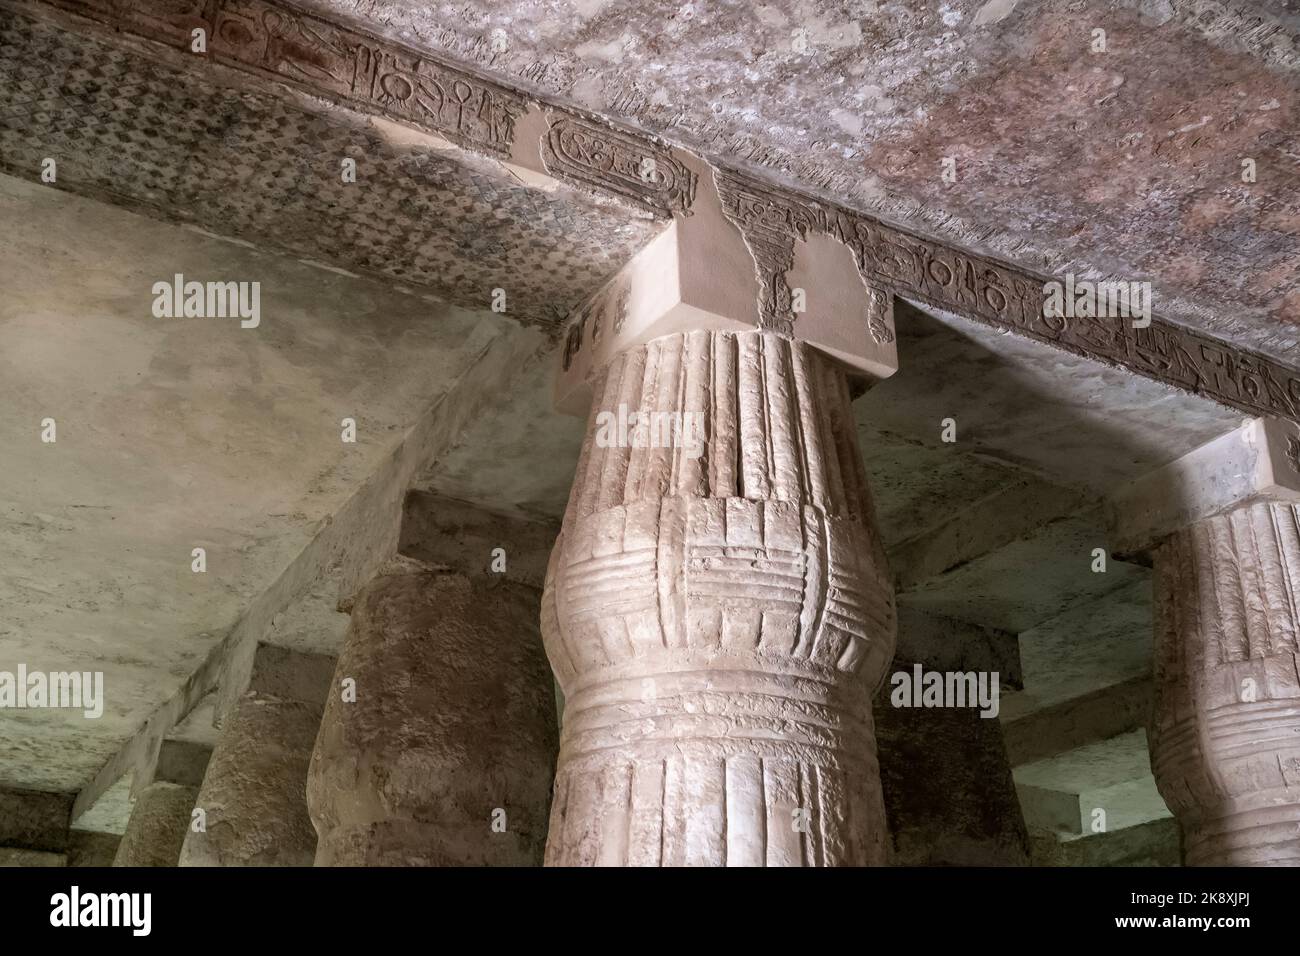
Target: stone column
(254,792)
(447,754)
(159,822)
(1225,742)
(950,796)
(163,810)
(1225,734)
(717,608)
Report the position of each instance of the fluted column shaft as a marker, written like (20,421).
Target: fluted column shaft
(1225,740)
(718,617)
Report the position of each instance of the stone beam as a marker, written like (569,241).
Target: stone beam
(1258,462)
(1050,811)
(182,762)
(1010,514)
(1100,715)
(1154,843)
(947,644)
(343,65)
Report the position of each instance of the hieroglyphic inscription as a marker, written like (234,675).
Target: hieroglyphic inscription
(607,159)
(328,59)
(769,221)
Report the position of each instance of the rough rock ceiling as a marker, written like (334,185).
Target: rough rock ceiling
(1126,162)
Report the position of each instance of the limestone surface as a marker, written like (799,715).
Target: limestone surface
(446,755)
(159,821)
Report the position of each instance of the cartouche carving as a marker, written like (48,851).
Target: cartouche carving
(629,166)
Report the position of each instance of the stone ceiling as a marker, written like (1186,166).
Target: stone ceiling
(1125,163)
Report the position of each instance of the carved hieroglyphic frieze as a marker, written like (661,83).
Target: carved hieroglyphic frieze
(1009,298)
(770,222)
(879,315)
(326,59)
(630,166)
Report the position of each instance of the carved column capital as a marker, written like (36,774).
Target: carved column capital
(718,614)
(740,258)
(1221,530)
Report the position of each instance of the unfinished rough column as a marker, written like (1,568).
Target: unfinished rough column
(164,808)
(949,792)
(253,797)
(159,822)
(1225,736)
(447,754)
(717,609)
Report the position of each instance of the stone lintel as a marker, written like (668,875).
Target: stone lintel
(1014,513)
(1051,811)
(285,675)
(1257,462)
(457,536)
(542,143)
(1099,715)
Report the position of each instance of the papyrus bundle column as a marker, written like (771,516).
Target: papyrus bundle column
(1225,738)
(1219,527)
(718,621)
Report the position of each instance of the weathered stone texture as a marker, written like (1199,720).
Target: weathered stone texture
(34,820)
(717,623)
(1225,740)
(159,822)
(453,720)
(254,793)
(949,794)
(90,848)
(1155,843)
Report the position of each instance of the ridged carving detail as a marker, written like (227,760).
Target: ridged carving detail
(1225,737)
(718,617)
